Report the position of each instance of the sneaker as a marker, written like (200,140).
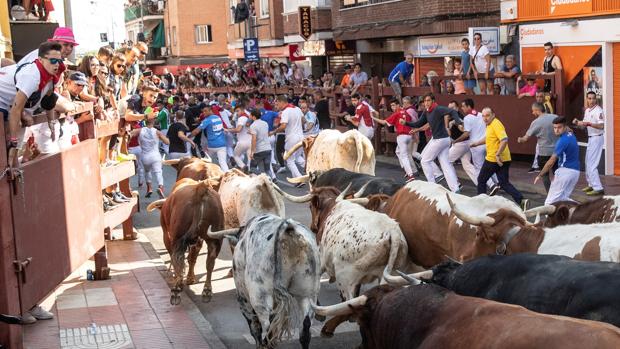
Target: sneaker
(524,204)
(40,313)
(595,192)
(122,196)
(28,319)
(409,178)
(281,170)
(494,190)
(148,194)
(587,189)
(160,192)
(300,185)
(119,200)
(439,178)
(533,170)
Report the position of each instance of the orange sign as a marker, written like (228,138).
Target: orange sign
(569,7)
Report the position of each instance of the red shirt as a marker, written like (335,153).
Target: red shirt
(363,112)
(394,121)
(133,142)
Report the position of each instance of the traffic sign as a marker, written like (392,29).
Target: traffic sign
(250,50)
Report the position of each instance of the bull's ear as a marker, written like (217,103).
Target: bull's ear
(316,202)
(563,213)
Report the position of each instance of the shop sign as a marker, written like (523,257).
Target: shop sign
(606,29)
(295,53)
(569,7)
(490,38)
(305,22)
(250,50)
(440,46)
(313,48)
(340,47)
(593,82)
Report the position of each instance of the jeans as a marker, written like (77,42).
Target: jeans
(263,159)
(546,179)
(280,140)
(489,169)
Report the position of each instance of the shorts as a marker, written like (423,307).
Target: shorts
(470,83)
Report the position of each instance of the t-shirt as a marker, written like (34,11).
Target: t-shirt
(480,62)
(403,69)
(322,112)
(362,114)
(394,120)
(495,134)
(213,128)
(595,116)
(225,116)
(542,128)
(530,90)
(43,137)
(474,124)
(465,59)
(359,79)
(70,133)
(243,135)
(291,116)
(27,81)
(511,83)
(177,145)
(311,117)
(261,130)
(567,151)
(269,116)
(162,117)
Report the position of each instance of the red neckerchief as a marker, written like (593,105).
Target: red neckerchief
(473,112)
(433,106)
(47,77)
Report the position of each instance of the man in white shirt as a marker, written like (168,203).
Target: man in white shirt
(594,121)
(291,123)
(244,139)
(225,114)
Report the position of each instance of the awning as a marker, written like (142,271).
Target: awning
(157,35)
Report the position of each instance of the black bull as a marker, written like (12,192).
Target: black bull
(547,284)
(341,178)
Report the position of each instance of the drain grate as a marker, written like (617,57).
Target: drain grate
(100,337)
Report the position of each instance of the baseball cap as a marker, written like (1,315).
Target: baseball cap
(64,34)
(79,78)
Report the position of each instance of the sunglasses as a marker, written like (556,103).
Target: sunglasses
(143,52)
(105,73)
(120,66)
(54,60)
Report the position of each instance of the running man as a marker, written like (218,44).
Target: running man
(244,140)
(363,118)
(291,124)
(212,128)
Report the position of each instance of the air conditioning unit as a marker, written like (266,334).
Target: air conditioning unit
(508,10)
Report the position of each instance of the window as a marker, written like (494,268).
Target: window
(203,34)
(264,8)
(233,3)
(354,3)
(174,36)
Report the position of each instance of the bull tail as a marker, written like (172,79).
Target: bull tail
(359,147)
(285,313)
(155,205)
(395,238)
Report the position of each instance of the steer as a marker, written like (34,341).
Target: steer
(430,317)
(357,245)
(505,232)
(276,272)
(547,284)
(194,168)
(186,214)
(363,184)
(426,220)
(333,149)
(601,210)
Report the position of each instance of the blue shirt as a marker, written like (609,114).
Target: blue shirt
(213,128)
(403,69)
(268,116)
(567,151)
(465,61)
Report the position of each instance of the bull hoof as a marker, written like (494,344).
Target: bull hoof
(326,334)
(175,299)
(206,296)
(190,280)
(320,317)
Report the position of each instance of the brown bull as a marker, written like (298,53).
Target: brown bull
(601,210)
(431,317)
(195,168)
(185,217)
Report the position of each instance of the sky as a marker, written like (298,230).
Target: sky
(92,17)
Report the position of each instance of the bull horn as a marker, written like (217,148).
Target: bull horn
(343,193)
(155,205)
(537,219)
(467,218)
(221,233)
(207,159)
(361,191)
(546,210)
(171,162)
(302,179)
(453,260)
(293,150)
(343,308)
(360,201)
(293,198)
(405,279)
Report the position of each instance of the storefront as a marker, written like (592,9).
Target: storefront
(590,55)
(433,53)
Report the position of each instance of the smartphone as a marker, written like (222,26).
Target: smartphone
(147,73)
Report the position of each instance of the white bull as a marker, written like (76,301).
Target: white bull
(245,197)
(276,272)
(333,149)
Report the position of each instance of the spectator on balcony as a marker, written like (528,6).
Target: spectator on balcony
(467,73)
(104,55)
(89,66)
(424,81)
(132,72)
(74,91)
(401,76)
(510,73)
(298,74)
(358,79)
(551,64)
(321,107)
(450,88)
(117,73)
(544,99)
(328,81)
(528,90)
(346,78)
(481,66)
(459,83)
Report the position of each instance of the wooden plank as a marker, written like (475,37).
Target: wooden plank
(120,214)
(106,128)
(114,174)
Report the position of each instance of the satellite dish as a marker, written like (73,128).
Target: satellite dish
(18,12)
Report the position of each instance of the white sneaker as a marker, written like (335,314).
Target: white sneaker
(40,313)
(28,319)
(281,169)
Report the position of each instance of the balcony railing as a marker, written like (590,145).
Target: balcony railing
(356,3)
(152,8)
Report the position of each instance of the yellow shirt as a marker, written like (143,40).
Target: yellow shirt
(495,133)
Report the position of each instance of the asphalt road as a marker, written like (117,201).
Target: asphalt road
(223,311)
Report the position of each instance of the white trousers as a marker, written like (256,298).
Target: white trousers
(593,158)
(471,159)
(240,149)
(404,152)
(221,156)
(297,158)
(439,149)
(137,151)
(562,185)
(369,132)
(272,142)
(152,166)
(230,144)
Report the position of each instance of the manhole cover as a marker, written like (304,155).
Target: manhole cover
(101,337)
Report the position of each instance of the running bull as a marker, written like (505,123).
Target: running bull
(194,168)
(546,284)
(601,210)
(333,149)
(363,184)
(276,272)
(429,317)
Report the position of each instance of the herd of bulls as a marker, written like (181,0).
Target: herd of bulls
(552,283)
